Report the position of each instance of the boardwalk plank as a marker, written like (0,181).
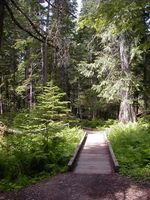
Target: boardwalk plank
(94,157)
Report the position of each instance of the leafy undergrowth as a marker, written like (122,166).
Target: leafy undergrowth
(131,144)
(28,158)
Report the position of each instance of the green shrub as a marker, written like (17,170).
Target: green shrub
(26,157)
(41,145)
(131,144)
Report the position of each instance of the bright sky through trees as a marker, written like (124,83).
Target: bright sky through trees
(79,5)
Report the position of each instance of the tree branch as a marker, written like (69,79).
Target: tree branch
(31,23)
(24,29)
(19,25)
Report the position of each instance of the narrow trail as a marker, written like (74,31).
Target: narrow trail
(94,157)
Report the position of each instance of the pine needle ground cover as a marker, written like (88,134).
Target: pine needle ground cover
(131,144)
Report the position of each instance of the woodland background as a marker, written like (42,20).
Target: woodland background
(58,68)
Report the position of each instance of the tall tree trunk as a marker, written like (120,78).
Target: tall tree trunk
(93,114)
(1,105)
(145,98)
(136,103)
(14,64)
(45,51)
(44,63)
(2,10)
(28,78)
(1,100)
(60,33)
(126,113)
(31,97)
(64,67)
(26,91)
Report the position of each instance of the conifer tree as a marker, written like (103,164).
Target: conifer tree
(123,24)
(62,31)
(51,110)
(51,105)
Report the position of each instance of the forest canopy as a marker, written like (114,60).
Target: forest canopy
(99,59)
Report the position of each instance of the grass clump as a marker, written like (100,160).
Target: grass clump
(131,144)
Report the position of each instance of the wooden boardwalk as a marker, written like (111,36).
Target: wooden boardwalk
(94,157)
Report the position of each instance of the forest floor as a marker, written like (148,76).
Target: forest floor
(70,186)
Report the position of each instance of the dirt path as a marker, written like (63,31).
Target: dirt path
(72,186)
(94,157)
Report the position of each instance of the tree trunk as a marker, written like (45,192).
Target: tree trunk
(145,98)
(126,113)
(1,105)
(14,64)
(1,20)
(93,115)
(136,103)
(45,51)
(30,89)
(1,101)
(44,63)
(60,33)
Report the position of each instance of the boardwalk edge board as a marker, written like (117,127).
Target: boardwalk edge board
(76,153)
(112,154)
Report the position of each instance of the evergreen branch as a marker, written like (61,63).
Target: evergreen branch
(19,25)
(29,20)
(24,29)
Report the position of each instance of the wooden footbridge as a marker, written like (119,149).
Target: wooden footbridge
(94,155)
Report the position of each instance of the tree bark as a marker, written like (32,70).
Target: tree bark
(30,89)
(126,113)
(14,64)
(64,68)
(2,10)
(29,97)
(145,98)
(1,100)
(136,103)
(45,50)
(60,34)
(44,63)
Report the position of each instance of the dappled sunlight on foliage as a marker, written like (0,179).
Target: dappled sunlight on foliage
(132,148)
(41,144)
(25,158)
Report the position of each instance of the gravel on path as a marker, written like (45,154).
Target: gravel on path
(71,186)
